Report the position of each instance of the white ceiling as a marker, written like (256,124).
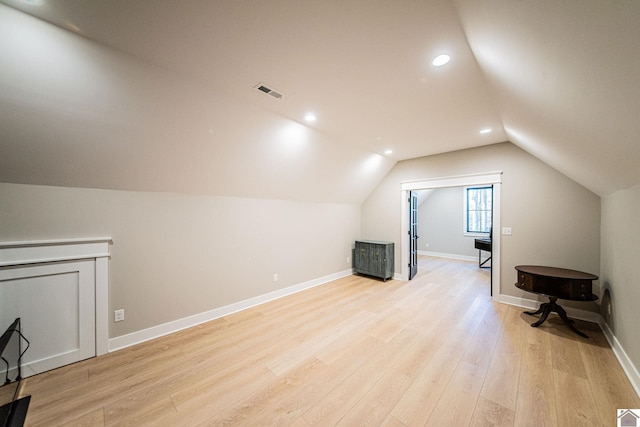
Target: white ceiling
(171,104)
(565,76)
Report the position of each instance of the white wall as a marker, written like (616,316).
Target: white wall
(619,272)
(75,113)
(555,221)
(441,225)
(178,255)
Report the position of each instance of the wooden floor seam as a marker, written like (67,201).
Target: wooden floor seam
(433,351)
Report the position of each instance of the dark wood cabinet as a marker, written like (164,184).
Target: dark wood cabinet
(374,258)
(555,283)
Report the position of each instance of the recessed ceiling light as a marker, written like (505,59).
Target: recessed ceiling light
(441,60)
(487,130)
(388,151)
(310,117)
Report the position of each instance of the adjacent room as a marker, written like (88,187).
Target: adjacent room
(196,197)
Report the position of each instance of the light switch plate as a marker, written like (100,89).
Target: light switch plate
(506,231)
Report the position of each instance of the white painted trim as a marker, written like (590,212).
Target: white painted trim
(627,365)
(39,251)
(102,305)
(487,178)
(43,251)
(449,256)
(493,178)
(55,242)
(153,332)
(625,362)
(496,241)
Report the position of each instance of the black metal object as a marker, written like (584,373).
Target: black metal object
(483,245)
(14,411)
(14,414)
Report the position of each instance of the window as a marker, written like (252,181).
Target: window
(478,209)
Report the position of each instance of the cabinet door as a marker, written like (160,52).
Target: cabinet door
(56,303)
(389,261)
(378,264)
(360,256)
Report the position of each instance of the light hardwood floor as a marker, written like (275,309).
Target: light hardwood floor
(434,351)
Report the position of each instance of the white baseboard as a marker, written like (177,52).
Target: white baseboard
(450,256)
(138,337)
(157,331)
(574,313)
(625,362)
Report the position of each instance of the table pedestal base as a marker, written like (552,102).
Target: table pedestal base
(551,306)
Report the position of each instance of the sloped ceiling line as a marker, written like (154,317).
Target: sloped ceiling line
(534,73)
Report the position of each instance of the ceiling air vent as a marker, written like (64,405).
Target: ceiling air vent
(271,92)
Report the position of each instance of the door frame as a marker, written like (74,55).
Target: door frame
(488,178)
(413,233)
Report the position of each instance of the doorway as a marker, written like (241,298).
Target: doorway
(491,178)
(413,234)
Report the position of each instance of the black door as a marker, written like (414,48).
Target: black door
(413,234)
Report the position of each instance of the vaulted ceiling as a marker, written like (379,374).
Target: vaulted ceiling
(161,95)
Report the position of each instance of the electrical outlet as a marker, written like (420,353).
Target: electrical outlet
(118,315)
(275,277)
(347,260)
(506,231)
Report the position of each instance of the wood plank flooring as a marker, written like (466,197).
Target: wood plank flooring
(435,351)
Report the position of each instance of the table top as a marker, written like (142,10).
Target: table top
(562,273)
(377,242)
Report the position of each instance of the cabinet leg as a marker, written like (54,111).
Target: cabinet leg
(546,310)
(568,322)
(540,310)
(551,306)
